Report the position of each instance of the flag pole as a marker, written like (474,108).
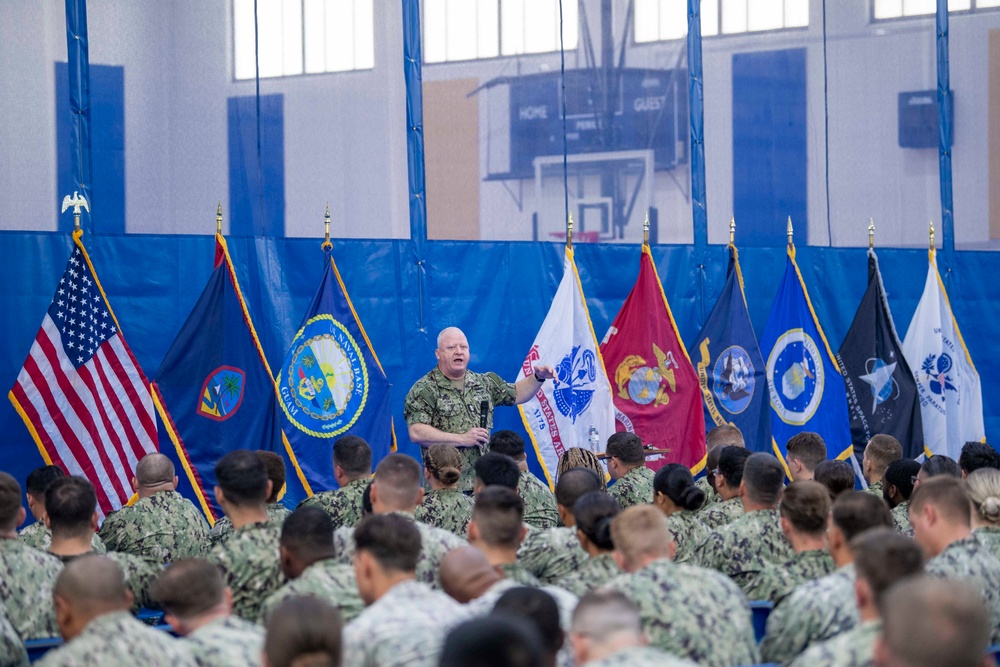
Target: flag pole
(791,243)
(732,230)
(569,232)
(218,219)
(645,230)
(871,233)
(327,245)
(932,236)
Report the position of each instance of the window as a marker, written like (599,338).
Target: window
(303,36)
(470,29)
(657,20)
(894,9)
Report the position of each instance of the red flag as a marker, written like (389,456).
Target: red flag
(655,387)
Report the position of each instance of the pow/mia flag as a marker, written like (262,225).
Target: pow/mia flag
(881,392)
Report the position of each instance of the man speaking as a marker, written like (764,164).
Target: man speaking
(453,405)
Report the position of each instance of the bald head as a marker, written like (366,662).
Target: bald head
(154,470)
(466,574)
(92,585)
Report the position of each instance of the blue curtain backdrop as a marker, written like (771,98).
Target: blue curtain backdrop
(497,292)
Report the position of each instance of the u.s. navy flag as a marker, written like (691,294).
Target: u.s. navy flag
(655,387)
(332,384)
(730,366)
(561,413)
(803,378)
(81,393)
(881,392)
(951,398)
(214,390)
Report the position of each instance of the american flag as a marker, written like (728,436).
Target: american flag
(82,394)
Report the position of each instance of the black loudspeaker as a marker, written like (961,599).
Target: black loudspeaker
(918,119)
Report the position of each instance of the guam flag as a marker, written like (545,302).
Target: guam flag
(803,378)
(332,385)
(214,390)
(655,387)
(881,391)
(730,367)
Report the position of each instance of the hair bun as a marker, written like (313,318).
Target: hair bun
(990,509)
(692,498)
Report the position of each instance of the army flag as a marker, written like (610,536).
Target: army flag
(81,393)
(881,392)
(332,384)
(951,397)
(804,382)
(655,388)
(730,366)
(563,412)
(214,390)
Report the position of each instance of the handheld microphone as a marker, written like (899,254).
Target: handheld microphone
(484,408)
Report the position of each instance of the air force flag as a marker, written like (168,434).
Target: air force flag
(560,415)
(803,378)
(951,398)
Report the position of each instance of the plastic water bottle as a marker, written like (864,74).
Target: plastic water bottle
(593,438)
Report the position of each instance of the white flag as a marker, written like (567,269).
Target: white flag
(563,411)
(951,398)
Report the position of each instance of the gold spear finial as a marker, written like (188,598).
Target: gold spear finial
(645,230)
(218,218)
(326,227)
(569,231)
(790,233)
(732,230)
(932,235)
(871,233)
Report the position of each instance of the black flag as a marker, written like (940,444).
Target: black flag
(881,392)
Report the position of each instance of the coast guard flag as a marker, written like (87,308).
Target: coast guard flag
(656,390)
(81,393)
(214,390)
(951,398)
(803,378)
(332,385)
(730,366)
(561,413)
(881,393)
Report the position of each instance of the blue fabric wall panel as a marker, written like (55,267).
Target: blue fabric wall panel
(257,186)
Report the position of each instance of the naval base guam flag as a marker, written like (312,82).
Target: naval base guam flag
(951,398)
(561,414)
(730,366)
(656,390)
(803,378)
(332,385)
(81,393)
(214,390)
(881,392)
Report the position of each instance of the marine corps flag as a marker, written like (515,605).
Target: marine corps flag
(730,366)
(561,414)
(655,387)
(214,390)
(881,392)
(332,384)
(804,382)
(951,398)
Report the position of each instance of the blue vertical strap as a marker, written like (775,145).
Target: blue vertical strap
(696,96)
(79,95)
(944,131)
(412,60)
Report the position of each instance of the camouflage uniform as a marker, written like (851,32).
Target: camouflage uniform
(447,509)
(12,653)
(813,612)
(118,640)
(552,554)
(405,627)
(226,642)
(326,579)
(223,528)
(163,527)
(594,573)
(989,537)
(539,503)
(633,488)
(776,581)
(854,648)
(26,580)
(139,574)
(692,613)
(875,489)
(640,656)
(711,497)
(721,513)
(436,401)
(689,534)
(37,536)
(434,544)
(901,518)
(516,573)
(968,560)
(343,504)
(250,567)
(746,546)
